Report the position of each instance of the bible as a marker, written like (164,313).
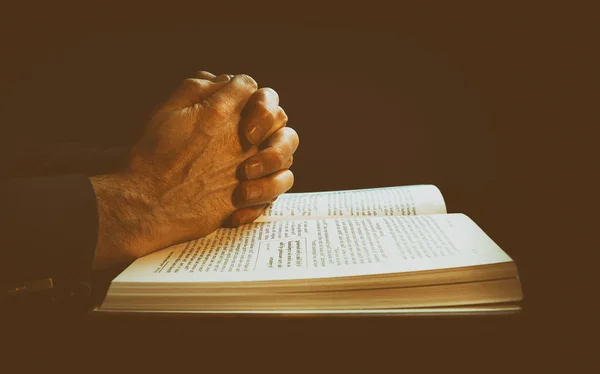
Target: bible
(378,250)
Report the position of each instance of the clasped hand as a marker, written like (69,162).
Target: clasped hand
(215,153)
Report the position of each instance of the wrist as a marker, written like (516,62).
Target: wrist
(126,211)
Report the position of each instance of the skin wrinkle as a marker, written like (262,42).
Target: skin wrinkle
(276,155)
(181,180)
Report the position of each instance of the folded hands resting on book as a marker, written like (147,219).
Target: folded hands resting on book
(215,153)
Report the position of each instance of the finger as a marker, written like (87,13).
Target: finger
(276,156)
(289,163)
(263,190)
(232,98)
(205,75)
(222,78)
(262,116)
(193,91)
(211,77)
(245,215)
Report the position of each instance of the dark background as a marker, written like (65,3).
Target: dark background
(491,104)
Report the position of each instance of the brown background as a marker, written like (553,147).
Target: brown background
(489,104)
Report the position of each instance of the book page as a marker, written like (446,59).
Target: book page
(373,202)
(321,248)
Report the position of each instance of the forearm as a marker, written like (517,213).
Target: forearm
(125,217)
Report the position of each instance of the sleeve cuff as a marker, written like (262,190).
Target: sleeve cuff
(51,229)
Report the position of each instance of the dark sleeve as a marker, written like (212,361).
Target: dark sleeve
(49,230)
(49,219)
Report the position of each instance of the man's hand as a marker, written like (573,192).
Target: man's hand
(262,124)
(181,179)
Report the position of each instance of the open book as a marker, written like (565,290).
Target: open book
(371,250)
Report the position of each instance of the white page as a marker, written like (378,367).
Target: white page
(321,248)
(373,202)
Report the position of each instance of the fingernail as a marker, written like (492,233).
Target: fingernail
(254,170)
(222,78)
(255,135)
(252,192)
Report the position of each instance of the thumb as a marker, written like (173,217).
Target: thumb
(193,91)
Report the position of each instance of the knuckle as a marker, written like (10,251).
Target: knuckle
(276,157)
(269,92)
(282,115)
(269,187)
(239,196)
(248,80)
(202,74)
(286,180)
(291,133)
(289,138)
(290,179)
(192,84)
(264,114)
